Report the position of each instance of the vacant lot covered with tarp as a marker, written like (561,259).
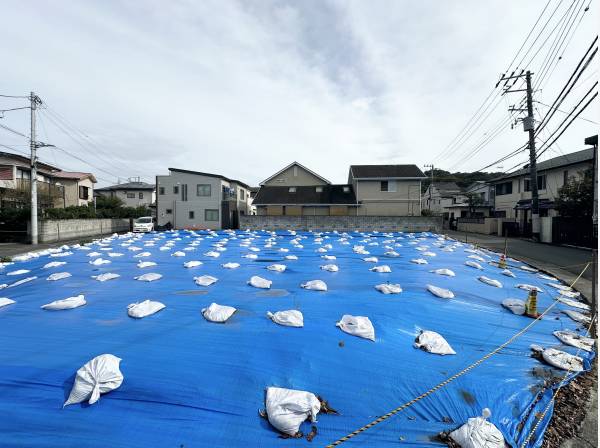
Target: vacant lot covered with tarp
(190,381)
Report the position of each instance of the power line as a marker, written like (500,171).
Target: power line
(563,112)
(14,96)
(13,131)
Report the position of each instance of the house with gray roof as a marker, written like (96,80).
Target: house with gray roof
(134,193)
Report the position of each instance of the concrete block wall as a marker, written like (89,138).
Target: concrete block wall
(68,229)
(343,223)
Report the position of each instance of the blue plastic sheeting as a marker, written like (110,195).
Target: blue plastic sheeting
(189,382)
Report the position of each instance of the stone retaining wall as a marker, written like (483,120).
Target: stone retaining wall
(68,229)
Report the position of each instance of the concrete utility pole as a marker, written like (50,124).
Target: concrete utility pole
(529,126)
(594,141)
(430,184)
(33,174)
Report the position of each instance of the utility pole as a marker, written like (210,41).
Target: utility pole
(33,174)
(594,141)
(430,184)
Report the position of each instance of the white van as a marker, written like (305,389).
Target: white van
(144,224)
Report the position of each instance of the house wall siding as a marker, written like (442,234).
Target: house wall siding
(295,178)
(405,201)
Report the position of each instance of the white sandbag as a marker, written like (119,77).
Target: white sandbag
(330,267)
(430,254)
(22,281)
(321,250)
(291,257)
(563,360)
(573,303)
(54,264)
(517,306)
(251,256)
(115,254)
(575,340)
(205,280)
(528,269)
(142,255)
(315,285)
(287,408)
(276,267)
(288,318)
(577,316)
(419,261)
(476,257)
(570,294)
(59,255)
(328,257)
(359,326)
(371,259)
(149,277)
(106,276)
(382,269)
(58,276)
(560,287)
(547,277)
(254,249)
(527,287)
(440,292)
(218,313)
(391,254)
(473,264)
(489,281)
(94,254)
(96,377)
(284,249)
(508,273)
(4,301)
(212,254)
(259,282)
(178,254)
(99,262)
(192,264)
(478,433)
(389,288)
(231,265)
(143,309)
(18,272)
(444,271)
(145,264)
(65,304)
(433,342)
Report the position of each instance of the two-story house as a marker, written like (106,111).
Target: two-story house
(440,196)
(78,188)
(195,200)
(374,190)
(133,194)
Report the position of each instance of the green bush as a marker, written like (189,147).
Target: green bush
(88,212)
(14,218)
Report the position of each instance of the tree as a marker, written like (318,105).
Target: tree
(576,197)
(473,200)
(106,202)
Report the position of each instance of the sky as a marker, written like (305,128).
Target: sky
(243,88)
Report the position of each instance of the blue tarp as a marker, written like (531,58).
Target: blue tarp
(190,383)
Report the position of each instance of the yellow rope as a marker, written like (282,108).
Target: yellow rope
(452,378)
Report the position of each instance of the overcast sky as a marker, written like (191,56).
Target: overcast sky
(243,88)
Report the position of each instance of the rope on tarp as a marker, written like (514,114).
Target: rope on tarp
(453,377)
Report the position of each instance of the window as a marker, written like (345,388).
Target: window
(541,181)
(191,214)
(84,193)
(292,189)
(504,188)
(203,190)
(161,190)
(500,214)
(242,194)
(319,189)
(168,211)
(565,177)
(141,195)
(384,185)
(130,195)
(175,189)
(184,192)
(211,215)
(346,189)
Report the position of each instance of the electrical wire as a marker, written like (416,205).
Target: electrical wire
(13,131)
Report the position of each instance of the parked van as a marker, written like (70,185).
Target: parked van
(144,224)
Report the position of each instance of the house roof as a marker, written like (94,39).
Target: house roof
(25,161)
(306,195)
(584,155)
(386,171)
(74,175)
(128,186)
(219,176)
(291,165)
(447,187)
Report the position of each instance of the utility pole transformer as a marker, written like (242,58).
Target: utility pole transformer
(529,126)
(33,174)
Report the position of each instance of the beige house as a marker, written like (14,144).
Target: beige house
(372,190)
(132,194)
(78,188)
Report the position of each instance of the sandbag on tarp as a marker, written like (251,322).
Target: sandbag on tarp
(231,265)
(478,433)
(178,253)
(65,304)
(142,255)
(287,409)
(328,257)
(476,257)
(527,287)
(218,313)
(114,254)
(205,280)
(389,288)
(577,316)
(508,273)
(440,292)
(517,306)
(359,326)
(371,259)
(291,257)
(276,267)
(547,277)
(490,281)
(383,269)
(571,294)
(433,342)
(330,267)
(447,272)
(528,268)
(315,285)
(573,303)
(212,254)
(99,262)
(145,264)
(391,254)
(97,376)
(192,264)
(259,282)
(4,301)
(563,360)
(54,264)
(144,309)
(473,264)
(251,256)
(18,272)
(430,254)
(288,318)
(575,339)
(58,276)
(106,276)
(419,261)
(149,277)
(560,287)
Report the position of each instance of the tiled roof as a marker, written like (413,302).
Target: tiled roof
(386,171)
(330,194)
(73,175)
(128,186)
